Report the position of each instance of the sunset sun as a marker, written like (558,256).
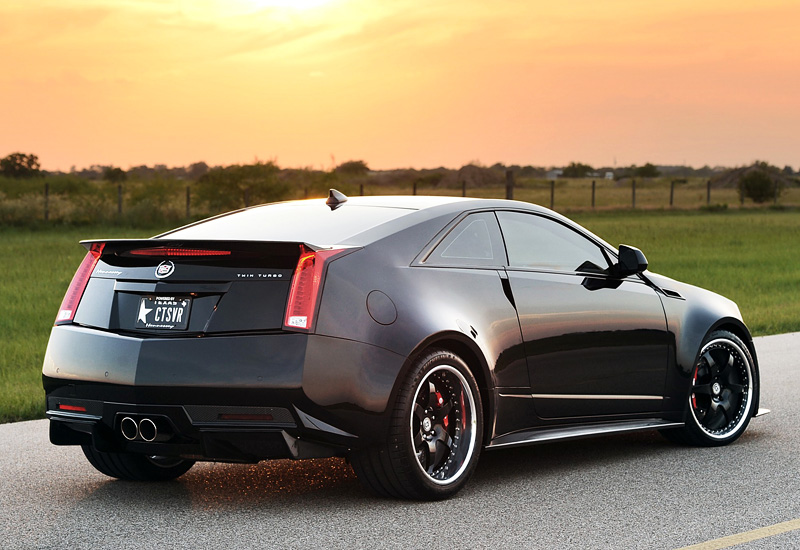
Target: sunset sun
(298,5)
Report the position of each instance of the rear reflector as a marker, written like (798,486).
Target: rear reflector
(73,408)
(182,252)
(306,284)
(75,291)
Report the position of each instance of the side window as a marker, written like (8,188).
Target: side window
(537,242)
(474,242)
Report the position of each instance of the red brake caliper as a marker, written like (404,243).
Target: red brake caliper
(440,402)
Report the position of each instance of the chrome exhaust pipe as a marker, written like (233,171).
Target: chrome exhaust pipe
(129,428)
(148,430)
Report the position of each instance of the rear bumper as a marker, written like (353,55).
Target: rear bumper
(229,398)
(194,433)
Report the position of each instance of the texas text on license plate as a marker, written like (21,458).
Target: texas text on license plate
(163,312)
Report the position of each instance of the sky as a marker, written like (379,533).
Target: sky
(400,83)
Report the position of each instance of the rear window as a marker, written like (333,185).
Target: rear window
(301,221)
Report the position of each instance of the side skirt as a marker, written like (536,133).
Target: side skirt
(573,432)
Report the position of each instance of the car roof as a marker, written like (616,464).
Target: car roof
(311,221)
(357,221)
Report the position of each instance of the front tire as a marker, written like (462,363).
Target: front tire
(723,394)
(435,435)
(136,467)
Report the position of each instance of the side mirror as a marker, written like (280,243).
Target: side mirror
(631,261)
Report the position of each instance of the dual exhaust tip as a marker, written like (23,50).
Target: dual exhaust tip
(144,429)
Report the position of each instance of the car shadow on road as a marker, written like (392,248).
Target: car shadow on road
(325,483)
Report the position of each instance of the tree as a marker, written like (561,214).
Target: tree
(577,170)
(758,185)
(647,171)
(20,165)
(197,170)
(114,175)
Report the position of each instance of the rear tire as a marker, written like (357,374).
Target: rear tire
(136,467)
(435,436)
(723,394)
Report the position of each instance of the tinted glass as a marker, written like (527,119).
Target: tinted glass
(475,241)
(537,242)
(302,221)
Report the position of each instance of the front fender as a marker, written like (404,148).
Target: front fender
(692,315)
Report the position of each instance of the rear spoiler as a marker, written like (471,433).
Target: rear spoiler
(122,246)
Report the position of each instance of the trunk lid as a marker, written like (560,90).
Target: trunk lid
(179,288)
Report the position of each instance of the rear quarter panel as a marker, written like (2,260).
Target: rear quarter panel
(433,305)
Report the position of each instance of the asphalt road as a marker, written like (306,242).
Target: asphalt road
(627,491)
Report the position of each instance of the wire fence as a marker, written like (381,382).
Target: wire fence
(147,203)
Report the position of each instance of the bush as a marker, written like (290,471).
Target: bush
(232,187)
(352,168)
(758,186)
(21,210)
(718,207)
(647,171)
(576,170)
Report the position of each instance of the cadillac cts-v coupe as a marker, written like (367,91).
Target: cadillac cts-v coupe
(408,334)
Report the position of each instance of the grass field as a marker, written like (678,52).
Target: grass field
(38,266)
(747,255)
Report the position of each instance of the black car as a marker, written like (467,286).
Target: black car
(407,334)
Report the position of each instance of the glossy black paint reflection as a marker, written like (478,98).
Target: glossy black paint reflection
(610,341)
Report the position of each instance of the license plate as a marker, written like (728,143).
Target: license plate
(163,313)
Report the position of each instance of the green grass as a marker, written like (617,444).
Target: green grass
(747,255)
(37,268)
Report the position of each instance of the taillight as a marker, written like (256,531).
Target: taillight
(73,296)
(184,252)
(306,284)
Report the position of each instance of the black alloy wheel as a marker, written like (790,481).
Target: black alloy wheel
(442,424)
(435,436)
(723,393)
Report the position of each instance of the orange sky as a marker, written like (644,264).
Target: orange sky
(400,83)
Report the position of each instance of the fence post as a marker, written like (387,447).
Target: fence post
(361,189)
(46,201)
(509,185)
(633,193)
(671,192)
(414,188)
(119,199)
(464,188)
(708,193)
(188,202)
(593,192)
(552,194)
